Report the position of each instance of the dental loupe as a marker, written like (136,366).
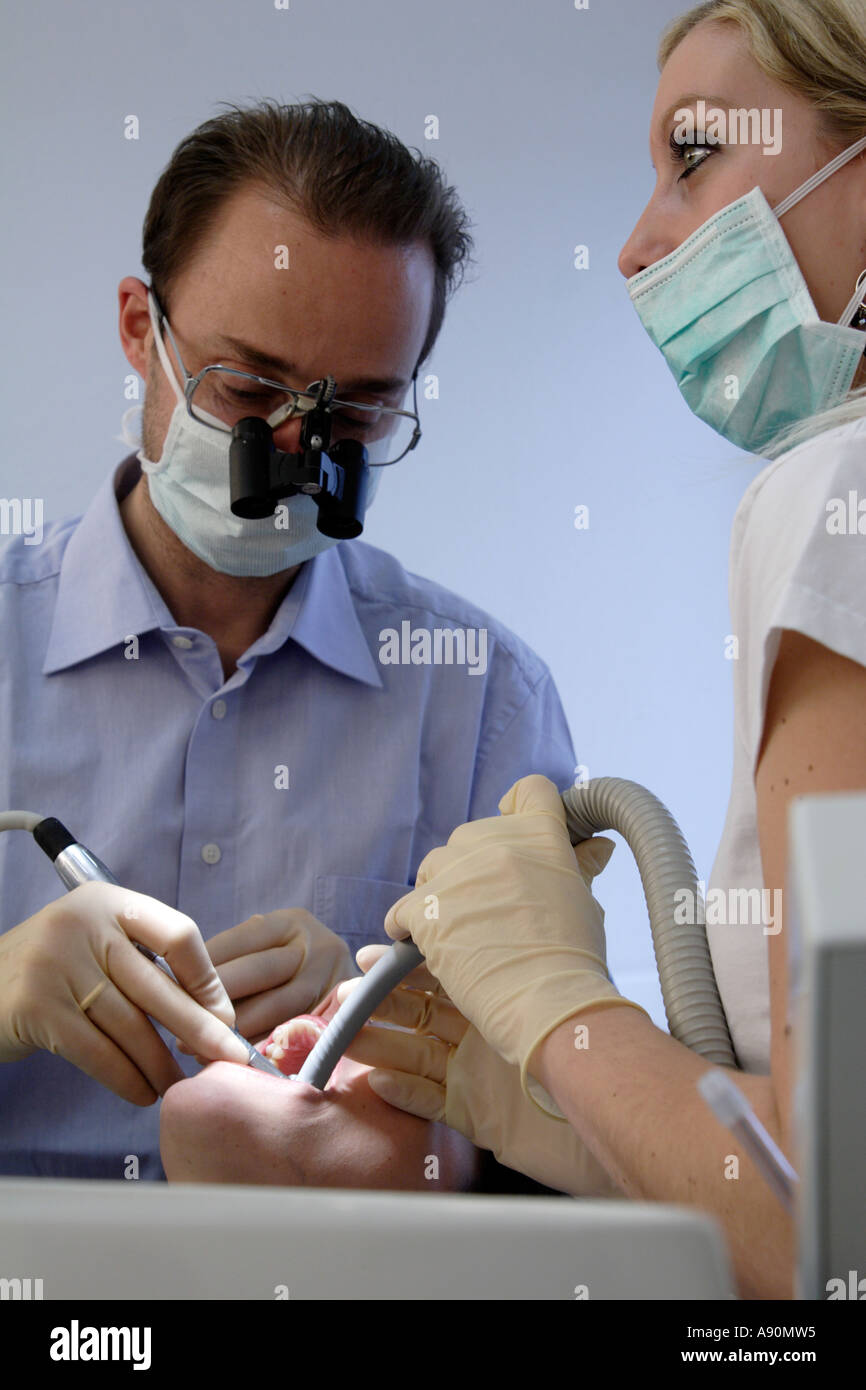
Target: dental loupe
(336,476)
(689,990)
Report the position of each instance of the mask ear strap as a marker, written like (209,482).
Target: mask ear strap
(160,345)
(787,203)
(854,313)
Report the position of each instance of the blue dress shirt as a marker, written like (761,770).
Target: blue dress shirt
(316,776)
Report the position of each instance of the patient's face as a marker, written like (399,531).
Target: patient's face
(234,1124)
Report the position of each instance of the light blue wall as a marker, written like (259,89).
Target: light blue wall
(550,394)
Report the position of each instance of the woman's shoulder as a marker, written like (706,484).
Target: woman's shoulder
(798,554)
(809,486)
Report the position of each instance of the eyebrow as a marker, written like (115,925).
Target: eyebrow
(265,361)
(689,99)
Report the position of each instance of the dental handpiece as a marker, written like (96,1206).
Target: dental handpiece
(76,864)
(693,1006)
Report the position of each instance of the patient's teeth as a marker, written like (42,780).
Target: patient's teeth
(298,1028)
(292,1041)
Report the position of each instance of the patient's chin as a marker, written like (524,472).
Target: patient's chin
(235,1124)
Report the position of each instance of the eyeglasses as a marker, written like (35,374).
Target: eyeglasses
(221,396)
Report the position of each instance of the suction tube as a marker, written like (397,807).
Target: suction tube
(691,997)
(354,1012)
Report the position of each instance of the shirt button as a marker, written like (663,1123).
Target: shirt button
(211,854)
(218,709)
(184,642)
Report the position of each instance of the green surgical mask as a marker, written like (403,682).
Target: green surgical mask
(733,317)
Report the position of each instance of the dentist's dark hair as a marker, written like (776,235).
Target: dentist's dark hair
(345,176)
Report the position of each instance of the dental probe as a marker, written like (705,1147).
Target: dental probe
(730,1106)
(76,864)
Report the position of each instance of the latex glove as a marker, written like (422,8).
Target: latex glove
(277,965)
(507,923)
(444,1070)
(72,982)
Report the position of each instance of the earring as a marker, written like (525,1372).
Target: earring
(859,319)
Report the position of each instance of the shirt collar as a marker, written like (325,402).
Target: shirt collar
(323,620)
(105,596)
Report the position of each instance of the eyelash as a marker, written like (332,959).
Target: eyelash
(678,153)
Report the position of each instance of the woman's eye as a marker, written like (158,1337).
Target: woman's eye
(689,153)
(693,156)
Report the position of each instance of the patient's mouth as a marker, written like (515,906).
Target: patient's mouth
(291,1043)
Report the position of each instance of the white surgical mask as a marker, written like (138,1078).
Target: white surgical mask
(190,489)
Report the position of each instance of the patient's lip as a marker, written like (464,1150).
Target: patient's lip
(291,1043)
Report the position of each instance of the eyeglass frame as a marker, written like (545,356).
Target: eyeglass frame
(191,383)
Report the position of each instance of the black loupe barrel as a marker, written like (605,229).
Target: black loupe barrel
(250,468)
(343,516)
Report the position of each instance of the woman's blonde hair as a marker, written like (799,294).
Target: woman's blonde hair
(816,49)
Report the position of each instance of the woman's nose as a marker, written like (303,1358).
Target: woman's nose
(645,246)
(628,262)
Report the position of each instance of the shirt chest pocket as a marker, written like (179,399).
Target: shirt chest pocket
(355,908)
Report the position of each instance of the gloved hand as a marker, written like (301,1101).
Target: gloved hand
(72,982)
(508,925)
(277,965)
(446,1071)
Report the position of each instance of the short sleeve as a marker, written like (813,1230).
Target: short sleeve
(798,561)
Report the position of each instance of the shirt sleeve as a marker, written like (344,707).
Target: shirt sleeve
(798,561)
(532,738)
